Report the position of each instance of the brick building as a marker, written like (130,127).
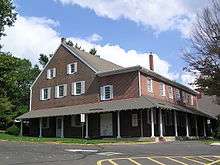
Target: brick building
(115,101)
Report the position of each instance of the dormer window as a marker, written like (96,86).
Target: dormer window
(72,68)
(149,85)
(51,73)
(45,94)
(162,89)
(106,92)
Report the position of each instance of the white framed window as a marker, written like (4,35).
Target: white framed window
(106,92)
(45,93)
(75,121)
(150,85)
(170,92)
(51,73)
(72,68)
(134,120)
(178,95)
(162,89)
(192,100)
(78,88)
(60,91)
(184,97)
(45,122)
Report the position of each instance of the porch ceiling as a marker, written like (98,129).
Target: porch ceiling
(143,102)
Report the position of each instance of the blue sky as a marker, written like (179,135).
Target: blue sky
(131,28)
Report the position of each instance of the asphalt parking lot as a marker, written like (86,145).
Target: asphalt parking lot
(172,153)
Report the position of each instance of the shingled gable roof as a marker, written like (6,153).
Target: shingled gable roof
(96,63)
(147,72)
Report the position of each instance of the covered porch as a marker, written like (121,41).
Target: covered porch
(137,117)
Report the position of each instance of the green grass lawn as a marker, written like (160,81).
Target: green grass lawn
(7,137)
(210,141)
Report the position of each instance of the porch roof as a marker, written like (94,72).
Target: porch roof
(143,102)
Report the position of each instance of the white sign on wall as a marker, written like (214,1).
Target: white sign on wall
(82,118)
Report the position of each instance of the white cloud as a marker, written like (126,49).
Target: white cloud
(31,36)
(188,79)
(94,38)
(160,15)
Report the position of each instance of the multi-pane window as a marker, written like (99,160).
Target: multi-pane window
(75,120)
(192,100)
(78,88)
(170,92)
(149,85)
(45,122)
(178,95)
(134,120)
(51,73)
(60,91)
(162,89)
(106,92)
(45,93)
(72,68)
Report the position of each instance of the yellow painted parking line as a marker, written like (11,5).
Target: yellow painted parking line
(202,157)
(155,161)
(176,161)
(217,161)
(196,161)
(112,162)
(133,161)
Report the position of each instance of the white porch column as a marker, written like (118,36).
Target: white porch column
(196,125)
(204,128)
(175,124)
(161,124)
(62,127)
(40,126)
(118,124)
(21,129)
(152,123)
(87,126)
(141,120)
(187,126)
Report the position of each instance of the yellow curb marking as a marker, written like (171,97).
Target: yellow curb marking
(217,161)
(112,162)
(176,161)
(172,158)
(202,157)
(196,161)
(133,161)
(155,161)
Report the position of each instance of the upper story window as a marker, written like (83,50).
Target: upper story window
(45,93)
(51,73)
(72,68)
(184,97)
(60,91)
(177,94)
(192,100)
(106,92)
(170,92)
(150,85)
(162,89)
(78,88)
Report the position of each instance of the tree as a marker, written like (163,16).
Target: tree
(93,51)
(204,55)
(43,59)
(7,15)
(17,75)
